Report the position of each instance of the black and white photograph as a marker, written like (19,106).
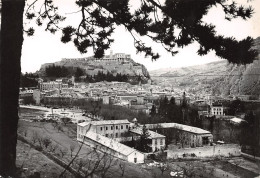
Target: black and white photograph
(130,89)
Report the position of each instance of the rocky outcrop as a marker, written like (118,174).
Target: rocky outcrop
(92,66)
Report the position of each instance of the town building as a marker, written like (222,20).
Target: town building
(107,128)
(107,58)
(217,110)
(191,136)
(157,141)
(50,86)
(110,146)
(102,136)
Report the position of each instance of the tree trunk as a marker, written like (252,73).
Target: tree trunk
(11,46)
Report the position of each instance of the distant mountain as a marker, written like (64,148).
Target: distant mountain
(116,64)
(216,77)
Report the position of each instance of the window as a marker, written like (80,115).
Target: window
(111,127)
(116,127)
(161,142)
(106,128)
(126,126)
(101,128)
(122,126)
(155,141)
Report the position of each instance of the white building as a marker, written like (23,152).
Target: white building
(89,134)
(50,86)
(217,110)
(157,140)
(108,128)
(194,136)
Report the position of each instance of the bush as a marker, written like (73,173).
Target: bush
(193,155)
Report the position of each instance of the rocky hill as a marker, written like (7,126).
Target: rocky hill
(216,77)
(114,64)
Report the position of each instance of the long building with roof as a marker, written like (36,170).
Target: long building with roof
(100,135)
(194,136)
(108,128)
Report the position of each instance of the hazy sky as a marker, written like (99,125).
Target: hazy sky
(44,47)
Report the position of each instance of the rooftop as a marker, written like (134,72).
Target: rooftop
(110,122)
(110,143)
(83,124)
(186,128)
(152,134)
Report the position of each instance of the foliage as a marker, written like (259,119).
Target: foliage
(250,133)
(236,106)
(56,71)
(98,22)
(169,111)
(78,73)
(65,120)
(157,21)
(28,80)
(143,143)
(28,100)
(100,76)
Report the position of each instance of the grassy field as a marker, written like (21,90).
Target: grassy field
(30,161)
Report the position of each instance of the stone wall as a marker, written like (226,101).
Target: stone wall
(225,150)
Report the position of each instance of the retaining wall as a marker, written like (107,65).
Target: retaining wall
(226,150)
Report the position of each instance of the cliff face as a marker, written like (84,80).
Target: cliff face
(216,78)
(93,66)
(243,79)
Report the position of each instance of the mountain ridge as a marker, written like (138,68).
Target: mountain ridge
(217,77)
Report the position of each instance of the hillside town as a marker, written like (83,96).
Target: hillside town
(165,122)
(130,89)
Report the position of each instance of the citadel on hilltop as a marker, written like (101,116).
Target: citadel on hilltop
(118,57)
(112,65)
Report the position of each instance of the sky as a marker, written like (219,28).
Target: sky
(44,47)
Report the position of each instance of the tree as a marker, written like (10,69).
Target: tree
(122,166)
(144,140)
(63,151)
(65,120)
(46,142)
(78,73)
(72,148)
(250,133)
(104,16)
(153,111)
